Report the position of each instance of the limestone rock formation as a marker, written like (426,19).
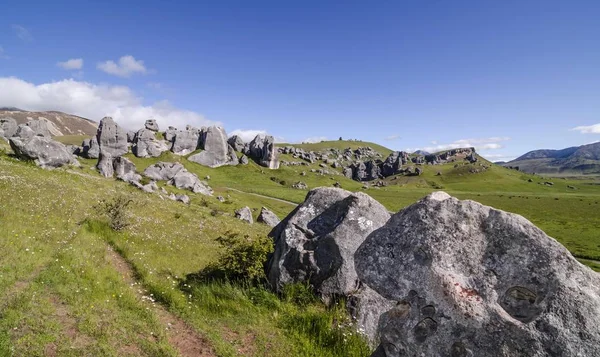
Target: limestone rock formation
(44,151)
(39,127)
(185,141)
(244,160)
(125,170)
(105,165)
(163,171)
(262,149)
(316,244)
(186,180)
(237,143)
(90,148)
(170,133)
(267,217)
(244,214)
(146,144)
(470,280)
(112,139)
(9,127)
(216,152)
(151,125)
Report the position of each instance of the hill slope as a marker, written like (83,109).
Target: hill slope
(580,160)
(60,123)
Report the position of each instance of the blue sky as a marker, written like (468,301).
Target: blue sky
(506,77)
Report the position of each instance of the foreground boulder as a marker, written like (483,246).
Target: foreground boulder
(46,152)
(470,280)
(316,244)
(112,139)
(125,170)
(244,214)
(90,148)
(39,127)
(216,152)
(9,127)
(267,217)
(262,149)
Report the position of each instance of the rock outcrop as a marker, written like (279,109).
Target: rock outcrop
(316,244)
(163,171)
(186,141)
(470,280)
(8,126)
(262,149)
(44,151)
(125,170)
(112,139)
(216,152)
(105,165)
(267,217)
(237,143)
(151,125)
(177,176)
(39,127)
(147,145)
(90,148)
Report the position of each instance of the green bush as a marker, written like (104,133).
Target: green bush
(242,258)
(115,210)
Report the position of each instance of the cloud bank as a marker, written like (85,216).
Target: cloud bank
(126,66)
(479,144)
(590,129)
(94,101)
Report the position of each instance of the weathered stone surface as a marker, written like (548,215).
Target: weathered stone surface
(39,127)
(186,180)
(244,160)
(24,132)
(244,214)
(146,144)
(90,148)
(300,186)
(316,244)
(131,136)
(393,163)
(163,171)
(237,143)
(262,149)
(45,152)
(470,280)
(170,133)
(186,141)
(152,125)
(8,126)
(112,139)
(105,165)
(216,150)
(125,170)
(181,198)
(267,217)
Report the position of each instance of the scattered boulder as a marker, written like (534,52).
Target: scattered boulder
(186,180)
(237,143)
(185,141)
(316,244)
(262,149)
(131,136)
(8,126)
(267,217)
(24,132)
(146,144)
(170,133)
(105,165)
(216,150)
(244,160)
(163,171)
(152,125)
(244,214)
(470,280)
(112,139)
(39,127)
(90,148)
(181,198)
(300,186)
(125,170)
(221,199)
(44,151)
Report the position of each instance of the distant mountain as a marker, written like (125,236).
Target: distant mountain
(500,162)
(59,123)
(579,160)
(422,152)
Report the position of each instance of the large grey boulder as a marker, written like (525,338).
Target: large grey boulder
(185,141)
(8,126)
(237,143)
(470,280)
(131,136)
(90,148)
(147,145)
(262,149)
(186,180)
(393,163)
(125,170)
(216,152)
(163,171)
(39,127)
(112,139)
(170,133)
(24,132)
(151,125)
(316,244)
(105,165)
(244,214)
(44,151)
(267,217)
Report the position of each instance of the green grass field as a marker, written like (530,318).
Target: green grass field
(61,293)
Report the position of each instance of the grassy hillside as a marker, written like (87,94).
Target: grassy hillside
(71,286)
(341,145)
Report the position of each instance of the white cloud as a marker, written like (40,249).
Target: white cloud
(127,66)
(499,157)
(22,33)
(314,139)
(248,135)
(590,129)
(73,63)
(3,54)
(392,137)
(479,144)
(94,101)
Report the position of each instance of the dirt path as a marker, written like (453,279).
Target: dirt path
(187,341)
(263,196)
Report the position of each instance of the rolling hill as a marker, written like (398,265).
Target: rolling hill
(579,160)
(59,123)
